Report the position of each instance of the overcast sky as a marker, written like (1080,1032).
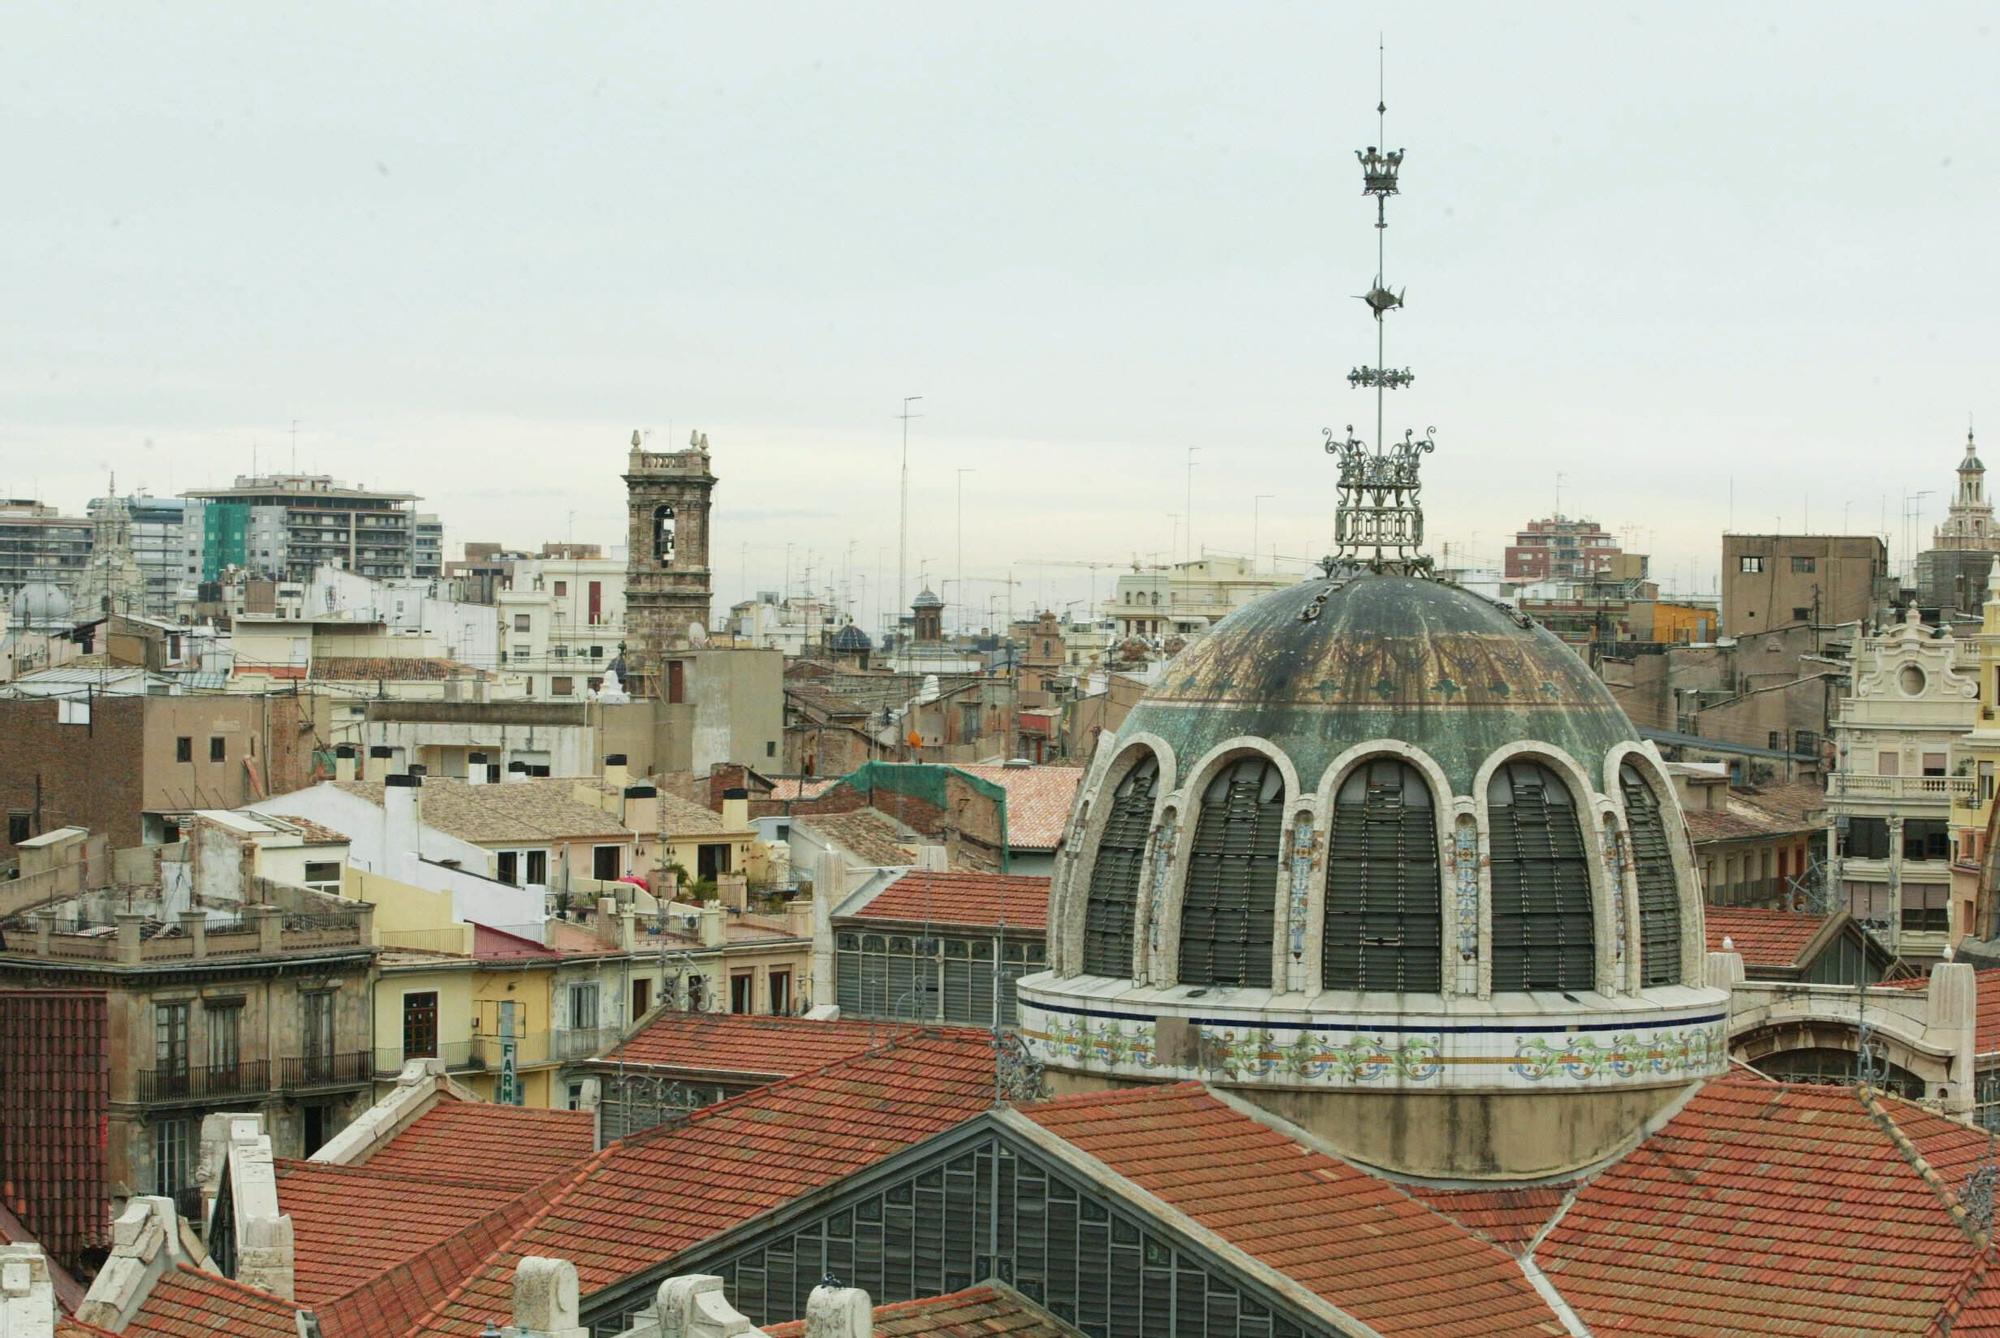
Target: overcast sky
(1655,249)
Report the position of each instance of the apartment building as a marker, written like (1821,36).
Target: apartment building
(285,525)
(1775,580)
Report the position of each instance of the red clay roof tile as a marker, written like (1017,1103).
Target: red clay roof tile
(645,1199)
(979,899)
(352,1223)
(776,1047)
(1769,1208)
(188,1303)
(1508,1217)
(1359,1242)
(1764,937)
(472,1142)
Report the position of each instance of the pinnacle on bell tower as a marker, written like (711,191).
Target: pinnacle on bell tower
(1968,525)
(668,583)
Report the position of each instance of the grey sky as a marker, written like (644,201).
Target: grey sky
(471,247)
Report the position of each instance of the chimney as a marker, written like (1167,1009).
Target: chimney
(475,768)
(545,1299)
(642,810)
(839,1312)
(1954,1009)
(27,1293)
(736,809)
(799,918)
(616,774)
(380,759)
(343,761)
(517,771)
(402,823)
(712,925)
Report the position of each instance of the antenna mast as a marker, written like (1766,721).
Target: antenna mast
(1379,524)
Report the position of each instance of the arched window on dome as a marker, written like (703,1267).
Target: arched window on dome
(1229,909)
(1114,877)
(1659,900)
(1384,891)
(1542,922)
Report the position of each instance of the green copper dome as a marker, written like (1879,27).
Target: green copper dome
(1331,663)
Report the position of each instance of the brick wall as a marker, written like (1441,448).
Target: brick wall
(76,775)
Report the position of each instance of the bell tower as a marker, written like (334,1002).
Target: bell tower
(667,578)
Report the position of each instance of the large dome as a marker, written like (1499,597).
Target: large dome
(1377,845)
(1315,668)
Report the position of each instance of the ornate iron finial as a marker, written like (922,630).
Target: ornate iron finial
(1976,1197)
(1017,1074)
(1379,521)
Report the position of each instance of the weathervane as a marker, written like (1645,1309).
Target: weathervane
(1378,523)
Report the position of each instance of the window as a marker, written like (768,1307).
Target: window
(781,993)
(18,829)
(676,681)
(642,996)
(562,587)
(520,653)
(420,1025)
(316,1034)
(1114,878)
(1775,740)
(1805,742)
(173,1155)
(596,653)
(1804,566)
(1801,614)
(1934,764)
(538,863)
(522,622)
(770,747)
(560,650)
(562,685)
(1384,893)
(1659,902)
(1865,838)
(170,1045)
(507,867)
(216,749)
(1888,763)
(583,1006)
(225,1037)
(1542,928)
(1228,913)
(1926,908)
(323,874)
(604,863)
(1926,838)
(742,992)
(184,749)
(1750,563)
(697,994)
(710,860)
(596,594)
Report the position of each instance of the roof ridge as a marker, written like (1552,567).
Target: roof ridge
(1963,1294)
(1871,1102)
(364,1169)
(575,1177)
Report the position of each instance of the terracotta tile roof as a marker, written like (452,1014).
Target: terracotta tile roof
(497,945)
(871,837)
(977,1312)
(1507,1217)
(352,1223)
(800,787)
(510,1147)
(1769,1208)
(394,1302)
(645,1199)
(1773,810)
(400,668)
(542,809)
(778,1047)
(1358,1242)
(187,1303)
(1764,937)
(1038,801)
(980,899)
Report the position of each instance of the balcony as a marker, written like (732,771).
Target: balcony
(313,1072)
(585,1042)
(1934,789)
(458,1057)
(207,1082)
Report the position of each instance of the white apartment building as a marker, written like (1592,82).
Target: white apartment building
(562,623)
(468,633)
(1188,597)
(1913,695)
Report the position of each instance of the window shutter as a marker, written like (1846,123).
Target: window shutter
(1659,904)
(1542,930)
(1229,909)
(1114,878)
(1384,893)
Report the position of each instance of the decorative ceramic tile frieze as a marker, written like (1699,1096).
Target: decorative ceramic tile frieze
(1689,1051)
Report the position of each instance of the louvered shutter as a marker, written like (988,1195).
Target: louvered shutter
(1114,878)
(1229,909)
(1659,902)
(1384,894)
(1542,929)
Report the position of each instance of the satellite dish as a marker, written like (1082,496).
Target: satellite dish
(697,635)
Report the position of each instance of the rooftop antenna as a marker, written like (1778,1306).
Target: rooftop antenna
(1379,521)
(903,521)
(295,445)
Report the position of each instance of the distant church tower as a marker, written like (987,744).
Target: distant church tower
(667,580)
(1969,523)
